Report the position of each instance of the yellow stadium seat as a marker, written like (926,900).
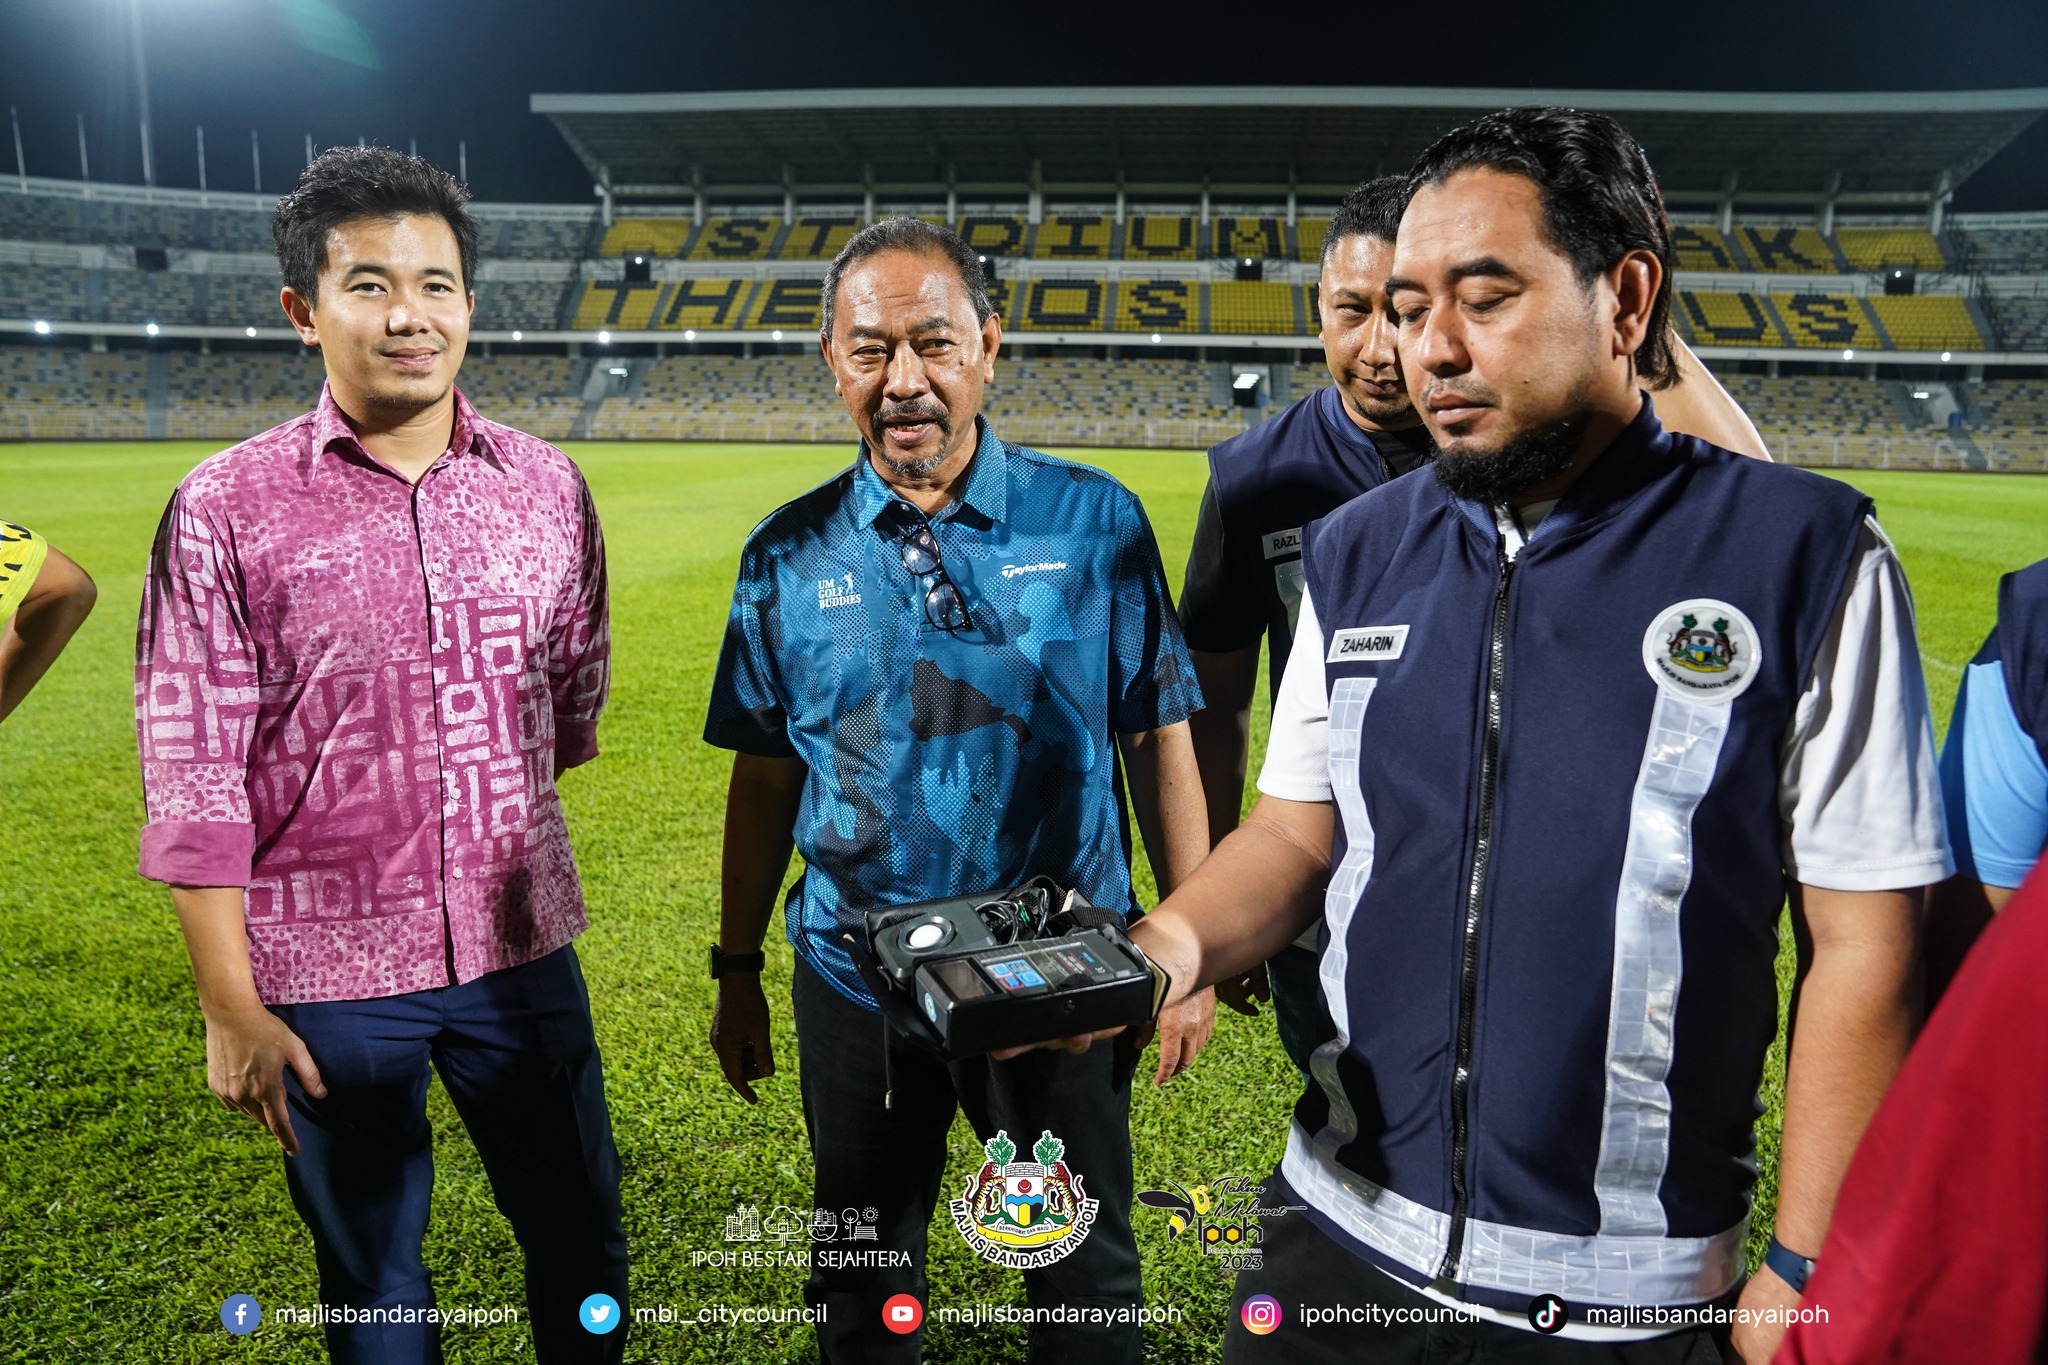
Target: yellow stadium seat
(1247,307)
(1074,237)
(786,302)
(1719,319)
(1701,248)
(1788,250)
(1157,306)
(1308,238)
(1826,320)
(1157,238)
(1257,238)
(1062,306)
(736,239)
(817,239)
(1877,248)
(703,305)
(994,234)
(625,304)
(1928,322)
(646,237)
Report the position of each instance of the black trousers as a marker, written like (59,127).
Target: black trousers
(893,1161)
(516,1051)
(1305,1270)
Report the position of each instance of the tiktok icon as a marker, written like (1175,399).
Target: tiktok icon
(1547,1314)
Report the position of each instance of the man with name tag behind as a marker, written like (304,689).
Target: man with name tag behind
(1244,572)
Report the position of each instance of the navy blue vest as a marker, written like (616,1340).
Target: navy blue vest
(1553,908)
(2023,648)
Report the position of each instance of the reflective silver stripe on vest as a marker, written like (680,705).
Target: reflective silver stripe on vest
(1347,720)
(1635,1119)
(1596,1269)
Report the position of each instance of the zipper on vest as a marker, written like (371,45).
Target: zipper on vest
(1475,896)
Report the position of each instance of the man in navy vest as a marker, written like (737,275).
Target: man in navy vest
(1561,726)
(1244,572)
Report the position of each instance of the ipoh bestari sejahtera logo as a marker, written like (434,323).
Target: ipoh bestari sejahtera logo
(1024,1214)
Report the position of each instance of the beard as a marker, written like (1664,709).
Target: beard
(404,400)
(922,412)
(1525,462)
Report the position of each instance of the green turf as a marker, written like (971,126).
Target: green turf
(131,1204)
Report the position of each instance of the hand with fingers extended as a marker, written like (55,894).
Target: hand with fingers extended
(247,1051)
(1243,993)
(1184,1029)
(739,1033)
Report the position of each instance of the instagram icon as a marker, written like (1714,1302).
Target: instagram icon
(1261,1314)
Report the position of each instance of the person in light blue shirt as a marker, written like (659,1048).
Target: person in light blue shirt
(948,670)
(1994,768)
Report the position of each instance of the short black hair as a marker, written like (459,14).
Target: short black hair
(906,234)
(1600,197)
(1372,210)
(345,183)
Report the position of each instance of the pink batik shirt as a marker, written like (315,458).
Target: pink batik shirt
(352,695)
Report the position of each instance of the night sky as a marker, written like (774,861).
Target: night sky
(448,70)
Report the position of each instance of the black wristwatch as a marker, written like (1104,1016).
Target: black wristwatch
(723,962)
(1788,1265)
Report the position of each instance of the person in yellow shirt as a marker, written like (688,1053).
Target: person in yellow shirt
(44,598)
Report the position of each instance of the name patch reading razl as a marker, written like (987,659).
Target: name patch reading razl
(1283,543)
(1364,643)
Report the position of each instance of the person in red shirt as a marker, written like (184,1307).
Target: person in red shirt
(1939,1246)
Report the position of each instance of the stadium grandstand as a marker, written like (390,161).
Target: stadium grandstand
(1148,249)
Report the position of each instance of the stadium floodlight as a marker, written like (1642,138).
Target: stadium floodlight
(518,336)
(775,335)
(150,328)
(42,328)
(248,331)
(618,369)
(1248,380)
(604,338)
(1848,355)
(1922,393)
(1944,355)
(689,335)
(1155,338)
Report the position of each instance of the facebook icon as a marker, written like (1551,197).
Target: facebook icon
(240,1314)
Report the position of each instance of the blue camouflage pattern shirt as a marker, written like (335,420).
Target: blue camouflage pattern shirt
(939,763)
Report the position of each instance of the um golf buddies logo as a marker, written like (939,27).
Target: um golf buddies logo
(837,592)
(1024,1214)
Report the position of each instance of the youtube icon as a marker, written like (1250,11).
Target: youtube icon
(903,1314)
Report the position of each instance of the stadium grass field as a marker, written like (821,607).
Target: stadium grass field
(132,1204)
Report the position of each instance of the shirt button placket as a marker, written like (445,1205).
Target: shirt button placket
(444,662)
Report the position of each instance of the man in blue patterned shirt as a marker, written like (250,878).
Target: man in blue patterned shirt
(944,671)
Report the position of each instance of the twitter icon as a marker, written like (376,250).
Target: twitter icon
(599,1313)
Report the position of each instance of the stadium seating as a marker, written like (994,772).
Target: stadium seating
(510,235)
(1927,322)
(737,239)
(1254,238)
(50,393)
(1787,250)
(817,239)
(786,302)
(504,304)
(1882,248)
(1060,306)
(1825,321)
(2022,323)
(1703,248)
(1157,306)
(1725,319)
(994,234)
(1075,237)
(1308,238)
(1247,308)
(230,395)
(646,237)
(1151,237)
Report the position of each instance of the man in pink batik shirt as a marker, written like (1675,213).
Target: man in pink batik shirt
(372,639)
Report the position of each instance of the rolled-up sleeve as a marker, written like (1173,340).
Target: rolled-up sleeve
(195,706)
(580,645)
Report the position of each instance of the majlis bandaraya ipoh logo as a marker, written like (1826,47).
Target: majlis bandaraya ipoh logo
(1024,1214)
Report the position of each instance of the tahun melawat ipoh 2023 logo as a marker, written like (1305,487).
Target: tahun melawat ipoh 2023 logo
(1024,1214)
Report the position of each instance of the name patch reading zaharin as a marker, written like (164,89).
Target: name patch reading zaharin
(1366,643)
(1702,649)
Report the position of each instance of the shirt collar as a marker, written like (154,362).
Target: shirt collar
(987,490)
(330,426)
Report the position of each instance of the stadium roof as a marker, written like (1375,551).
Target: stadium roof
(1783,148)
